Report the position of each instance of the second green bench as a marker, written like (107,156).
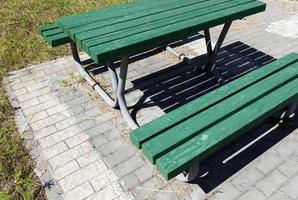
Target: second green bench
(187,135)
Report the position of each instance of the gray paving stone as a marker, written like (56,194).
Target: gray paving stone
(149,188)
(289,166)
(82,175)
(80,193)
(252,194)
(30,103)
(103,180)
(47,97)
(54,119)
(226,192)
(269,161)
(110,192)
(59,136)
(111,146)
(54,150)
(65,170)
(247,178)
(112,134)
(88,158)
(37,116)
(66,123)
(71,154)
(290,188)
(128,166)
(145,172)
(271,182)
(20,91)
(45,132)
(166,193)
(37,86)
(86,124)
(119,156)
(98,140)
(76,140)
(129,181)
(98,130)
(280,196)
(41,107)
(126,196)
(286,147)
(57,109)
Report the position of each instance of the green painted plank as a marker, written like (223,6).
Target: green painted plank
(175,136)
(229,129)
(58,39)
(157,37)
(47,27)
(151,22)
(54,35)
(145,17)
(150,130)
(115,12)
(52,32)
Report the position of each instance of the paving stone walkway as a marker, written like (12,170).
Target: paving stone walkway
(82,147)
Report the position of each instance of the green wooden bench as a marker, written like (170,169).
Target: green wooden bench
(187,135)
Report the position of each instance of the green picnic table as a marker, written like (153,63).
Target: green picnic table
(180,139)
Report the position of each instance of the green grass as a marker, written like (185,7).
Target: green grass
(20,45)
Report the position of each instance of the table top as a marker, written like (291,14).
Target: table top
(127,29)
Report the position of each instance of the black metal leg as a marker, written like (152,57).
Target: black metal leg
(208,43)
(74,52)
(113,102)
(212,54)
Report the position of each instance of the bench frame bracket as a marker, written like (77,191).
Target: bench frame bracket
(113,102)
(213,53)
(118,85)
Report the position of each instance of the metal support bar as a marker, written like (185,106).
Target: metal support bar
(290,111)
(208,43)
(182,57)
(74,52)
(212,54)
(120,94)
(106,97)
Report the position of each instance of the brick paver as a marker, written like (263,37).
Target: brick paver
(82,148)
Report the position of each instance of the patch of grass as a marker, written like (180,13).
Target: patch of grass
(17,179)
(20,45)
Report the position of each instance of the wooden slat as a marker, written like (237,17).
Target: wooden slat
(47,27)
(122,12)
(54,35)
(58,39)
(136,26)
(161,36)
(154,128)
(175,136)
(222,133)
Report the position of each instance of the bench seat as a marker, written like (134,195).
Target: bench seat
(187,135)
(54,35)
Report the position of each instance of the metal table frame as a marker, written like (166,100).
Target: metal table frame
(118,81)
